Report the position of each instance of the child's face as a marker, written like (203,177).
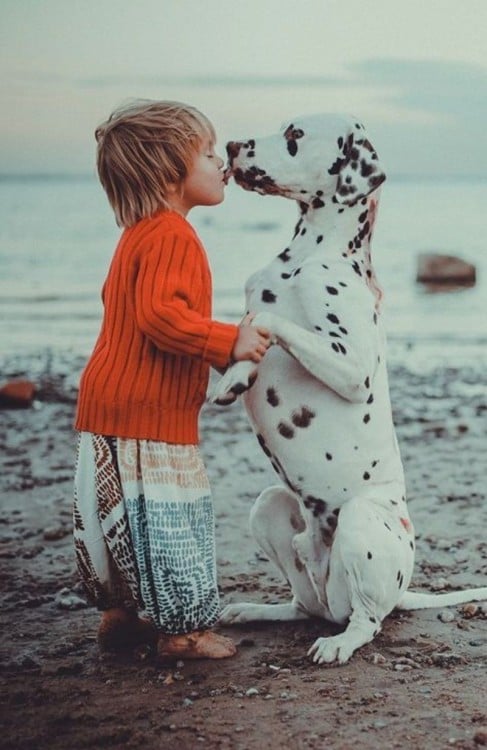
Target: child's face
(204,184)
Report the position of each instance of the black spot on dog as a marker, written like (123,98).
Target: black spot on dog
(366,169)
(263,445)
(332,318)
(303,231)
(286,275)
(363,217)
(367,382)
(376,180)
(356,268)
(336,166)
(343,330)
(335,335)
(302,418)
(366,419)
(298,270)
(318,328)
(276,468)
(327,536)
(387,526)
(316,504)
(335,348)
(329,457)
(292,134)
(239,388)
(285,430)
(268,296)
(319,239)
(369,555)
(331,290)
(366,475)
(292,147)
(317,203)
(342,348)
(272,397)
(370,399)
(285,255)
(332,521)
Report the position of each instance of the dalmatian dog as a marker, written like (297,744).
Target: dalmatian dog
(337,525)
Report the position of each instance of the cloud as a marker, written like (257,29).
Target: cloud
(433,86)
(424,116)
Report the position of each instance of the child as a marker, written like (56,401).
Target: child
(144,525)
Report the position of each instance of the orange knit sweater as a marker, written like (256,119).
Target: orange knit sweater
(148,374)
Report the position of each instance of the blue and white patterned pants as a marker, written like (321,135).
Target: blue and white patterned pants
(144,530)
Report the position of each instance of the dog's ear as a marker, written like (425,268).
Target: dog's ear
(358,168)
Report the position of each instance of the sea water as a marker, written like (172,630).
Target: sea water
(57,236)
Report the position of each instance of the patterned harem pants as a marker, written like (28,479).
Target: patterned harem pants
(144,530)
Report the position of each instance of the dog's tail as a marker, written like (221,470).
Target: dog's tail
(413,600)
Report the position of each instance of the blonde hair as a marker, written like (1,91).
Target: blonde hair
(144,148)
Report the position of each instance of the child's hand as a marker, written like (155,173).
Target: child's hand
(252,342)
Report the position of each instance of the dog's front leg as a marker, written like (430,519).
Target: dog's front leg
(349,374)
(237,379)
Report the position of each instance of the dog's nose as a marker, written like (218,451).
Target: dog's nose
(233,149)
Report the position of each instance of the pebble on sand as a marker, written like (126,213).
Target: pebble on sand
(17,394)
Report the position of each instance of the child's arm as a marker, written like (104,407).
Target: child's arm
(169,286)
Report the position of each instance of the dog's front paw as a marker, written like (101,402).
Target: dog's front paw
(236,614)
(237,379)
(334,649)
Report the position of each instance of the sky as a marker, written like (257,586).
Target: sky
(413,71)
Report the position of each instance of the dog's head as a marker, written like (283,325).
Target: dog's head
(310,160)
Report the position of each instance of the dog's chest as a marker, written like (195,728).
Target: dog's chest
(273,288)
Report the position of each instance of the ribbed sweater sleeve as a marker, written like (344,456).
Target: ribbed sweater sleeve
(171,280)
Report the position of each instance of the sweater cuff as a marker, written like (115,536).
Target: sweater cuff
(220,343)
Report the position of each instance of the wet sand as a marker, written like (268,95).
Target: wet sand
(420,683)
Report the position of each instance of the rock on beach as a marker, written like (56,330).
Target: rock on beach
(435,268)
(17,394)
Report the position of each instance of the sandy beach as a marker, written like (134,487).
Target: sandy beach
(420,683)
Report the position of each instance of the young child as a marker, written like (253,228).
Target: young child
(143,514)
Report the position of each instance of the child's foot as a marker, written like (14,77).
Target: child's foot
(121,629)
(202,644)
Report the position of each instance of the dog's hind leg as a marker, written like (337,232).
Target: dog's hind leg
(274,521)
(370,567)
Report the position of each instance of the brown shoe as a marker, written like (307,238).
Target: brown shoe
(201,644)
(121,629)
